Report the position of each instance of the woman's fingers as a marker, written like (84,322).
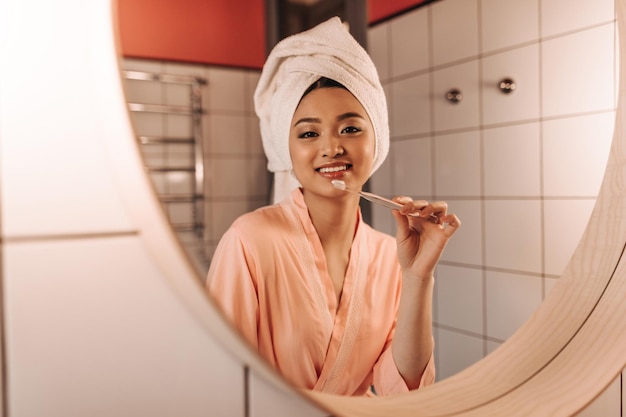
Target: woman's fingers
(423,208)
(436,212)
(451,224)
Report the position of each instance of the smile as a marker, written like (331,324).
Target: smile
(327,170)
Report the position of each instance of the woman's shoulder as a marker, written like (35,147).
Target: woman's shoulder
(262,221)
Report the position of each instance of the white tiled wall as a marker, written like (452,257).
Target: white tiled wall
(522,170)
(236,180)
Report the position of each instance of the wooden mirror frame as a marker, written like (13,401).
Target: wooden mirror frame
(556,364)
(563,358)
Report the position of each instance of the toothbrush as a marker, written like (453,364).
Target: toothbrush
(341,185)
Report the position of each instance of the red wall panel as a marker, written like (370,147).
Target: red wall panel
(221,32)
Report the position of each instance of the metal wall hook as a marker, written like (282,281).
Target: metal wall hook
(454,96)
(507,85)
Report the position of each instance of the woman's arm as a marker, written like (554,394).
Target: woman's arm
(420,245)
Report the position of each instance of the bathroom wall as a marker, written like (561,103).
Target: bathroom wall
(521,170)
(236,178)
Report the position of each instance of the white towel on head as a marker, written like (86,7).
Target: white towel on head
(327,50)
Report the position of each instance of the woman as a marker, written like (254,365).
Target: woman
(328,301)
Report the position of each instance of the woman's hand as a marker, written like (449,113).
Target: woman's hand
(421,240)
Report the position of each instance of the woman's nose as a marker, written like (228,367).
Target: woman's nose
(331,146)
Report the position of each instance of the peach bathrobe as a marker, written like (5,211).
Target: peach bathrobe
(269,276)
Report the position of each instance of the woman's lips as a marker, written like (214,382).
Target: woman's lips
(329,170)
(335,171)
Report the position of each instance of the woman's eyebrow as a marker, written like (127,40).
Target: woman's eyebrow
(349,115)
(308,120)
(341,117)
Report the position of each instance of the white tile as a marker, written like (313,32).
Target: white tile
(223,214)
(159,182)
(381,181)
(608,404)
(175,94)
(253,133)
(466,245)
(410,106)
(153,155)
(564,224)
(94,319)
(252,79)
(180,156)
(266,399)
(575,151)
(513,235)
(512,160)
(492,346)
(508,23)
(228,177)
(226,89)
(148,124)
(147,65)
(210,250)
(520,65)
(255,202)
(180,68)
(410,42)
(178,182)
(148,92)
(258,177)
(179,125)
(378,48)
(58,180)
(455,352)
(412,168)
(464,114)
(460,298)
(511,300)
(548,285)
(180,213)
(559,16)
(227,134)
(578,72)
(455,30)
(457,164)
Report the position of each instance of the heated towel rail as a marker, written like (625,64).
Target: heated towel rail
(195,169)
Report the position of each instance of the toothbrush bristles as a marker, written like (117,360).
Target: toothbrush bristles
(339,184)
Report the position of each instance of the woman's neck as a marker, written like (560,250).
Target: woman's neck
(335,220)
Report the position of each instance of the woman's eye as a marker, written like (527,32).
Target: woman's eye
(306,135)
(351,129)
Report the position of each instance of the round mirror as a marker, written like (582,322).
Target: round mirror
(522,170)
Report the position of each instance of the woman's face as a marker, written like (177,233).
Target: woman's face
(331,137)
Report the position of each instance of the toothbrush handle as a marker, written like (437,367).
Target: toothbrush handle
(380,200)
(390,204)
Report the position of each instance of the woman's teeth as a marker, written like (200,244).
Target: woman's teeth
(333,169)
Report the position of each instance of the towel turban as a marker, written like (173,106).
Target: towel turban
(327,50)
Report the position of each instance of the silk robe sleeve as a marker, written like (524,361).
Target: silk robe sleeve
(232,285)
(387,379)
